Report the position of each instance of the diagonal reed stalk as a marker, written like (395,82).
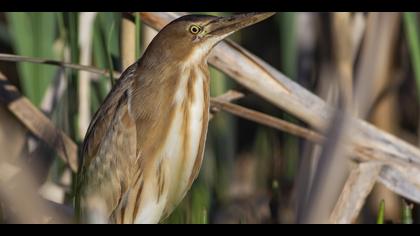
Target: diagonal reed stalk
(36,122)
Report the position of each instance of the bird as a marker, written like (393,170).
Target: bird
(145,145)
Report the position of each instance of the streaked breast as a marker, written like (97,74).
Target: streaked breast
(181,148)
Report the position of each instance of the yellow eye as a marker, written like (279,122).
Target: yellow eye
(194,29)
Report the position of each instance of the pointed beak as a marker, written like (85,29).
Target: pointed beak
(224,26)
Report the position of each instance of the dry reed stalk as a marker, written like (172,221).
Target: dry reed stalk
(128,43)
(264,119)
(383,115)
(355,191)
(36,122)
(85,43)
(332,167)
(91,69)
(379,42)
(343,55)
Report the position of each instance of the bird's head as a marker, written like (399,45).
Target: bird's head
(191,37)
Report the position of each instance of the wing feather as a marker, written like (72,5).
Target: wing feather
(111,134)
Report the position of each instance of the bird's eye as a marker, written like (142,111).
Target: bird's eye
(194,29)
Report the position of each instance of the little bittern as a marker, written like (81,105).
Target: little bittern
(144,146)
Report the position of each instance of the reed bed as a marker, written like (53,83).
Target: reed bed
(314,116)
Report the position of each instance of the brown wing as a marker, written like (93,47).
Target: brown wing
(109,152)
